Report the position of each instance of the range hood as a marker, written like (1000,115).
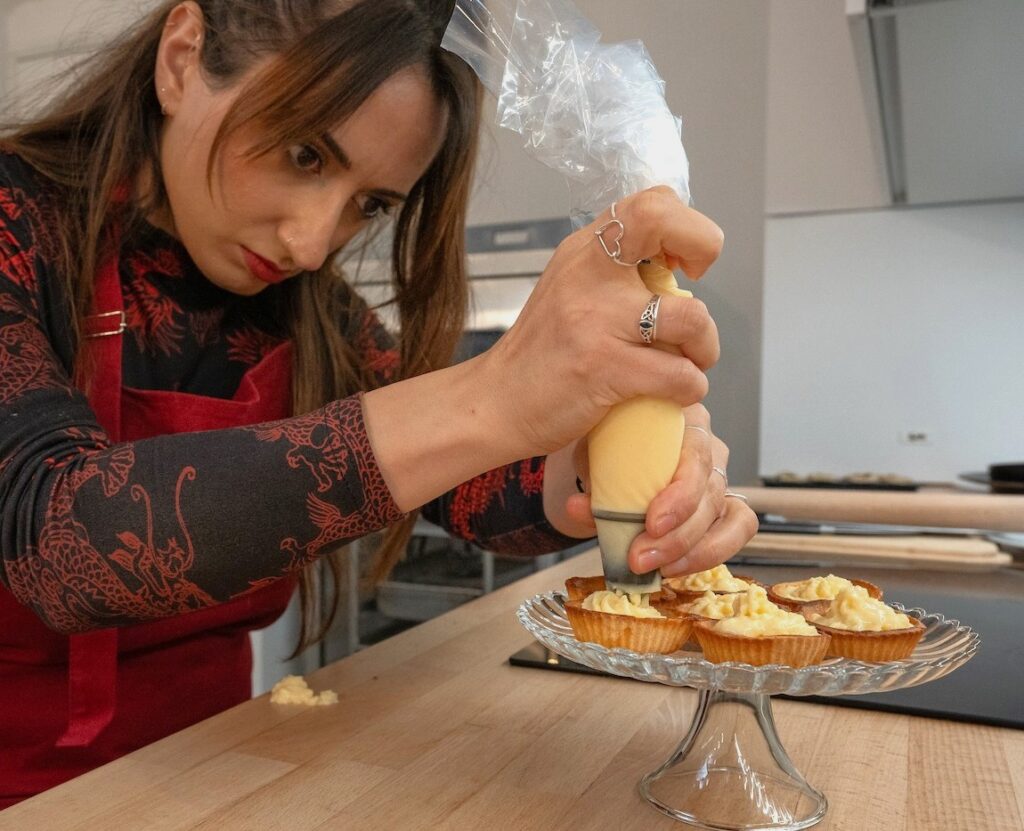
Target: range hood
(948,78)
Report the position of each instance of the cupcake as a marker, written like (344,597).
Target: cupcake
(759,632)
(614,619)
(816,593)
(864,628)
(718,579)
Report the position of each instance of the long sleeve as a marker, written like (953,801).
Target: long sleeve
(95,534)
(501,510)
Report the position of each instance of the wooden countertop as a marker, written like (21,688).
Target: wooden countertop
(436,731)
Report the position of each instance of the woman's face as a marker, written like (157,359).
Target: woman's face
(270,218)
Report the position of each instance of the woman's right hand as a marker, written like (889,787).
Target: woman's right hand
(576,348)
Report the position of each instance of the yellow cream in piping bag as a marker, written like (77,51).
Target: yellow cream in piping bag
(634,452)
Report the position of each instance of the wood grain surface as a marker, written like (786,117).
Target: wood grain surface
(436,731)
(945,508)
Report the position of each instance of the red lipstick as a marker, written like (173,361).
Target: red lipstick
(262,269)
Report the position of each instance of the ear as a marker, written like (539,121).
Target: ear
(178,54)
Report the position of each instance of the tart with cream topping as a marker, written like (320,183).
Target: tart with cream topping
(816,593)
(630,621)
(759,632)
(718,579)
(864,628)
(711,606)
(579,588)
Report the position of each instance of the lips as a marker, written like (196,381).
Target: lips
(262,269)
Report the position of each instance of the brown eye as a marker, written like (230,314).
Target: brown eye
(374,207)
(306,158)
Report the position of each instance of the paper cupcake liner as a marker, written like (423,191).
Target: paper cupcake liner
(876,647)
(819,606)
(789,650)
(662,635)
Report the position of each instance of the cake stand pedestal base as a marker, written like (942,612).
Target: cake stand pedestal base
(731,772)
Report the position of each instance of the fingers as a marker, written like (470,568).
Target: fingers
(724,538)
(686,323)
(578,509)
(655,373)
(655,223)
(682,497)
(648,552)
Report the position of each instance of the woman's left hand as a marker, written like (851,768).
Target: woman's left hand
(691,525)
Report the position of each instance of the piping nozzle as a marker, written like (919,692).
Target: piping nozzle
(615,533)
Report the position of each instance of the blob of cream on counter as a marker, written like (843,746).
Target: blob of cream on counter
(756,616)
(616,603)
(854,609)
(293,689)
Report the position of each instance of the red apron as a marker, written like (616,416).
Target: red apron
(70,704)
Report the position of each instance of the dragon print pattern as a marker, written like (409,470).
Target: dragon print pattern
(20,246)
(68,580)
(26,360)
(250,346)
(332,445)
(150,314)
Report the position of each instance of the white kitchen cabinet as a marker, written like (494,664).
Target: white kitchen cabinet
(824,148)
(915,101)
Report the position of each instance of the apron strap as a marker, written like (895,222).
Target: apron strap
(92,686)
(92,657)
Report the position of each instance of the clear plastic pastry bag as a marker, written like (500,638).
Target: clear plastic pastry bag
(595,112)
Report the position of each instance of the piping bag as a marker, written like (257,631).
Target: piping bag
(597,114)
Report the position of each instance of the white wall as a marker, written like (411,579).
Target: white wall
(883,322)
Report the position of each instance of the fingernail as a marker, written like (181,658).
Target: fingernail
(664,524)
(647,560)
(677,567)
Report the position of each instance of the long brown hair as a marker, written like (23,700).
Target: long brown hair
(328,56)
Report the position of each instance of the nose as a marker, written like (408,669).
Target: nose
(312,234)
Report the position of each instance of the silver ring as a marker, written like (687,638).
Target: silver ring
(722,473)
(615,251)
(698,429)
(739,496)
(649,320)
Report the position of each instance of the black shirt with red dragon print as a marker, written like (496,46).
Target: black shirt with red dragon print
(252,503)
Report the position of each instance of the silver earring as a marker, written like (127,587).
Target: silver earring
(163,106)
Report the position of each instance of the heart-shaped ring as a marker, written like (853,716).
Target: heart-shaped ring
(615,251)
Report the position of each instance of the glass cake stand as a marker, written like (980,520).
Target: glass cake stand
(730,771)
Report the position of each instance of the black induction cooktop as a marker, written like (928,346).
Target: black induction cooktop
(988,689)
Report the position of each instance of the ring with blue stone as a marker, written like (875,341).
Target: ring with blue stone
(649,320)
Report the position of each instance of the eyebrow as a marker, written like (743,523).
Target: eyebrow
(346,162)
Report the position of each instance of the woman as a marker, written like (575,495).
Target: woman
(194,407)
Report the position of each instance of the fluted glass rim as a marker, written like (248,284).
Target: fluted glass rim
(945,645)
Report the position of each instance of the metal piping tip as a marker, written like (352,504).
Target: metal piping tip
(615,533)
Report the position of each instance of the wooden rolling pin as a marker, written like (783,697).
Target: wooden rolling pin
(948,510)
